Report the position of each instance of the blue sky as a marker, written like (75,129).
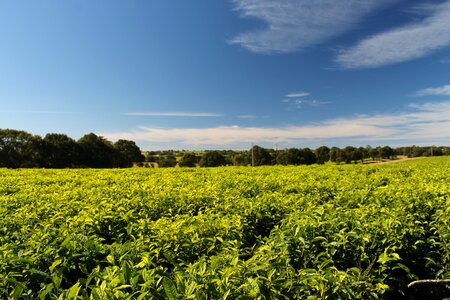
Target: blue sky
(225,74)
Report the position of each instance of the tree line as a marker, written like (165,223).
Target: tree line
(20,149)
(259,156)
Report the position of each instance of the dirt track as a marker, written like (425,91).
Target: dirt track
(389,161)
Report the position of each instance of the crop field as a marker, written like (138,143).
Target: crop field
(331,231)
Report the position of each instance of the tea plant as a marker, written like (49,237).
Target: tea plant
(316,232)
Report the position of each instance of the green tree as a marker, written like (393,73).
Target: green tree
(240,159)
(212,159)
(60,151)
(259,156)
(308,157)
(97,152)
(335,154)
(167,161)
(188,160)
(374,153)
(290,156)
(387,152)
(417,151)
(295,156)
(129,153)
(322,154)
(19,149)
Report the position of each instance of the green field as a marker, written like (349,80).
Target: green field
(332,231)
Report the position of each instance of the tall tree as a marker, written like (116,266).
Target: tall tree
(374,153)
(128,153)
(347,154)
(335,154)
(386,152)
(167,161)
(60,151)
(259,156)
(19,149)
(97,152)
(212,159)
(292,156)
(322,154)
(188,160)
(308,157)
(240,159)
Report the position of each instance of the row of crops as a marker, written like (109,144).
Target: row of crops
(348,232)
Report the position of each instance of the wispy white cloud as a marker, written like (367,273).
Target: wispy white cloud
(404,43)
(297,94)
(300,99)
(445,61)
(173,114)
(313,103)
(434,91)
(247,117)
(298,24)
(40,112)
(422,123)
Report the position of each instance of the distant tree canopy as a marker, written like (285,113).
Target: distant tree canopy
(295,156)
(128,152)
(20,149)
(188,160)
(60,151)
(167,161)
(322,154)
(258,156)
(212,159)
(240,159)
(97,152)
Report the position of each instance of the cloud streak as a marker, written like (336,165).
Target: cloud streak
(297,94)
(40,112)
(435,91)
(312,103)
(248,117)
(173,114)
(299,100)
(294,25)
(401,44)
(424,122)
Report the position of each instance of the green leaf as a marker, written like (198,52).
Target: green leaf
(56,279)
(170,289)
(43,293)
(72,293)
(55,264)
(142,296)
(18,291)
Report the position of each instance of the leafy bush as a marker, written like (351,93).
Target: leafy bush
(350,232)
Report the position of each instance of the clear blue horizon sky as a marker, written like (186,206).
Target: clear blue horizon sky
(225,74)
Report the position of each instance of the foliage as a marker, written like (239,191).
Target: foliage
(295,156)
(167,161)
(212,159)
(240,159)
(97,152)
(188,160)
(60,151)
(128,152)
(20,149)
(322,154)
(258,156)
(349,232)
